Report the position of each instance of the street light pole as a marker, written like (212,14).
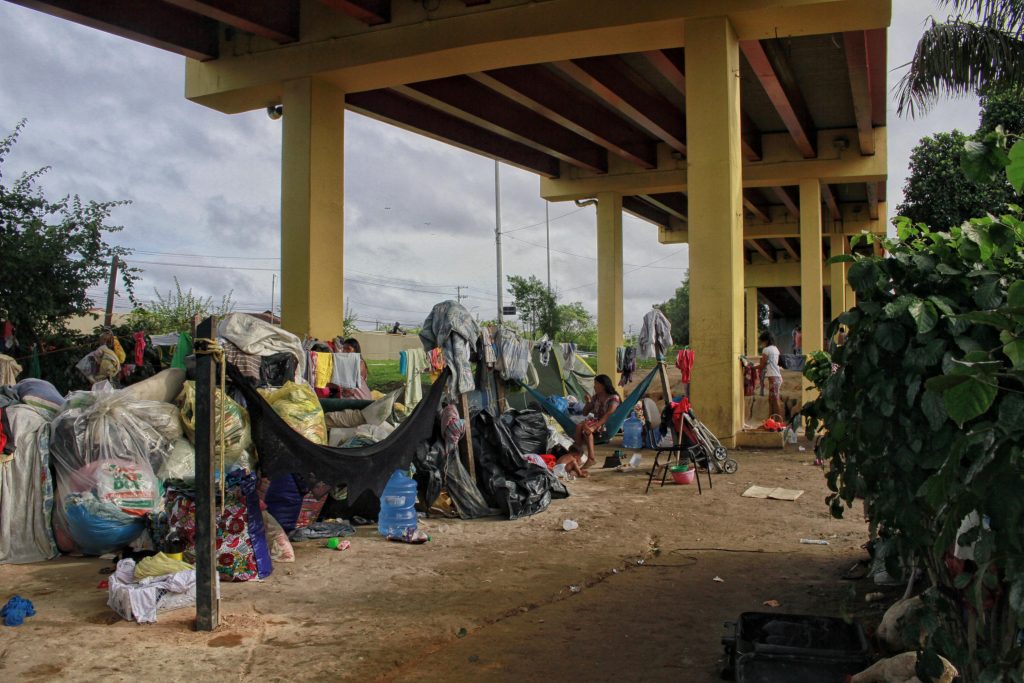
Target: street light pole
(497,235)
(547,234)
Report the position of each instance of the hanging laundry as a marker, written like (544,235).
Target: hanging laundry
(402,363)
(655,335)
(346,370)
(628,365)
(488,347)
(247,364)
(451,328)
(9,370)
(544,351)
(324,369)
(140,347)
(513,356)
(415,363)
(684,361)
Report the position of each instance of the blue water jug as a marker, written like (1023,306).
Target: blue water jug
(397,506)
(632,433)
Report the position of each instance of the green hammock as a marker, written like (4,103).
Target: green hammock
(614,422)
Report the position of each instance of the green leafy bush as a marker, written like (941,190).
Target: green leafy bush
(922,412)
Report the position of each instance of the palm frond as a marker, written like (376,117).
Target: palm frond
(1007,15)
(959,58)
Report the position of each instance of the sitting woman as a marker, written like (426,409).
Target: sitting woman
(602,404)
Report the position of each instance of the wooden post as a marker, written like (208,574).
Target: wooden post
(207,600)
(466,445)
(666,389)
(108,317)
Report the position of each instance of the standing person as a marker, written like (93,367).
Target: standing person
(351,345)
(769,366)
(603,403)
(798,340)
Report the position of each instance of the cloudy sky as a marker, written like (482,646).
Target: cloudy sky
(108,116)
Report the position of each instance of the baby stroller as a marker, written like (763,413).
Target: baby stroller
(707,450)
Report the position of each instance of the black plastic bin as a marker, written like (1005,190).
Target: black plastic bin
(779,642)
(759,668)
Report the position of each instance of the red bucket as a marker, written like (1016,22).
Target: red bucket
(682,474)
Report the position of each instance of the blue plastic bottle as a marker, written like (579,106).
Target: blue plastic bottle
(397,506)
(632,433)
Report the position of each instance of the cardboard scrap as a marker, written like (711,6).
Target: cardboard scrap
(777,493)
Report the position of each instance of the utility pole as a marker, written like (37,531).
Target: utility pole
(497,237)
(547,234)
(458,292)
(108,318)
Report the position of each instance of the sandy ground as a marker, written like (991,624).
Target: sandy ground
(630,595)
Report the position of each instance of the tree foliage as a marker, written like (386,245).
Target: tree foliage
(540,313)
(175,311)
(52,252)
(576,325)
(677,310)
(923,416)
(537,308)
(937,191)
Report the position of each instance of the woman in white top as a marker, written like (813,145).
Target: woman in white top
(770,367)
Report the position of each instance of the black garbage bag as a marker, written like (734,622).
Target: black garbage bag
(429,463)
(277,369)
(529,430)
(516,487)
(437,470)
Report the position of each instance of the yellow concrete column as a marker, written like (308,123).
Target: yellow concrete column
(812,311)
(751,328)
(714,171)
(312,200)
(837,275)
(610,319)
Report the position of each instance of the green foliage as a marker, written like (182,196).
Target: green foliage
(576,325)
(537,308)
(175,311)
(677,310)
(350,319)
(922,410)
(52,252)
(938,192)
(1002,107)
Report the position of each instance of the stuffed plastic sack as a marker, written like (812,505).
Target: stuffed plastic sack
(105,447)
(299,406)
(237,438)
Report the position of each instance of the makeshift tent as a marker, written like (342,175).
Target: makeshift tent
(557,378)
(614,422)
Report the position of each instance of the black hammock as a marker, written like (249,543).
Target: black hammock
(282,450)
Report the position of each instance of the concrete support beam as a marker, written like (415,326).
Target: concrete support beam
(811,286)
(453,42)
(312,216)
(837,275)
(781,165)
(715,165)
(610,318)
(750,294)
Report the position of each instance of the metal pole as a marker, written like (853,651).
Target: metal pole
(497,235)
(273,286)
(108,318)
(547,233)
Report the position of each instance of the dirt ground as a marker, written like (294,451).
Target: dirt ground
(630,595)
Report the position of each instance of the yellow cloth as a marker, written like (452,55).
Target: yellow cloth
(118,351)
(324,369)
(159,565)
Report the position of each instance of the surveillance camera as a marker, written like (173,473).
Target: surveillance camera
(275,111)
